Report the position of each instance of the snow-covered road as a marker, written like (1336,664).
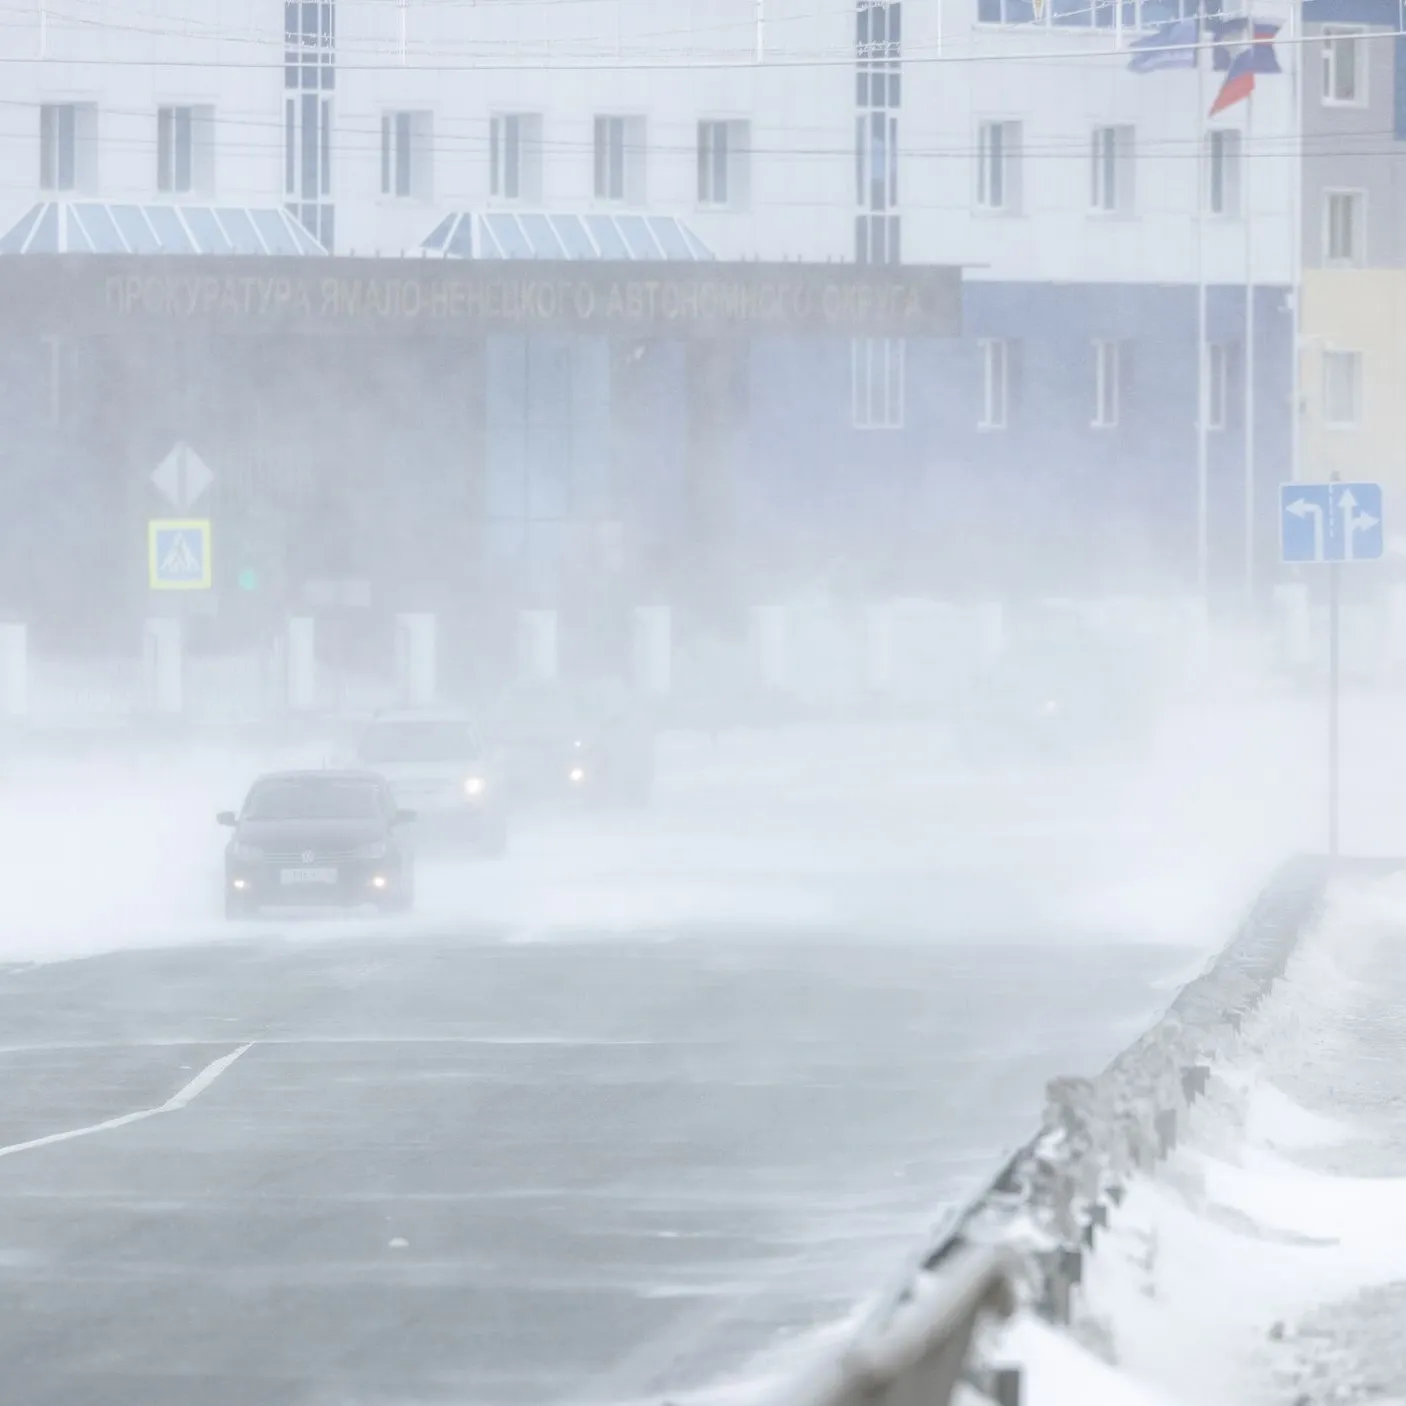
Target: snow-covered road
(685,1081)
(456,1166)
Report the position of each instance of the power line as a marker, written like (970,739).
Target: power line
(603,60)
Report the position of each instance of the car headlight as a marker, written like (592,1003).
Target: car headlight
(375,850)
(577,774)
(475,786)
(239,850)
(1050,707)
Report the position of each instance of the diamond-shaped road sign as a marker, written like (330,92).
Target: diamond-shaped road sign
(183,477)
(1327,522)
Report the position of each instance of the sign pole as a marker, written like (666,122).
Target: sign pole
(1334,670)
(1334,570)
(1203,380)
(1326,524)
(1246,197)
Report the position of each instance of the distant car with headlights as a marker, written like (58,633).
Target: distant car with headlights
(591,743)
(438,765)
(328,838)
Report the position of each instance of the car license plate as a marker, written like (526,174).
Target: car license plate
(308,876)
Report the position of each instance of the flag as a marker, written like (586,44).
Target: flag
(1247,60)
(1227,37)
(1169,46)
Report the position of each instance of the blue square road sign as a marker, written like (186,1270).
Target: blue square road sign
(178,554)
(1331,522)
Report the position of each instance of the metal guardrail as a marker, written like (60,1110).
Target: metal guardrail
(1060,1189)
(1023,1236)
(912,1349)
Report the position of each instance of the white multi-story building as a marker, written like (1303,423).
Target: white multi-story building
(1027,150)
(1088,203)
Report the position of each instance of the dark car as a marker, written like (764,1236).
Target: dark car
(591,743)
(329,838)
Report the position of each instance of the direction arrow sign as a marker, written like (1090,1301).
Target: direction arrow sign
(1331,522)
(183,477)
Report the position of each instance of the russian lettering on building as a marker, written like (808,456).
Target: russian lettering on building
(338,299)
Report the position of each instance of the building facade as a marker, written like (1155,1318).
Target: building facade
(1052,447)
(1353,327)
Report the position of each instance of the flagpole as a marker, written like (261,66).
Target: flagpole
(1296,241)
(1247,194)
(1203,505)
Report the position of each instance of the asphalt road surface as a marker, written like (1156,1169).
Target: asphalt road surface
(460,1168)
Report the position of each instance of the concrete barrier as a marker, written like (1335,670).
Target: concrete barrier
(416,659)
(537,646)
(302,664)
(651,659)
(163,666)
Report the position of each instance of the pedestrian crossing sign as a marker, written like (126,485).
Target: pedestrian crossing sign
(178,554)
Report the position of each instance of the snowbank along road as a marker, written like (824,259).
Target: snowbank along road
(1265,1262)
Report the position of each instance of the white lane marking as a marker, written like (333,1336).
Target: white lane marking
(178,1100)
(202,1081)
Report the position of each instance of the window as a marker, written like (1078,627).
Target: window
(58,146)
(877,390)
(309,77)
(610,158)
(619,152)
(1223,171)
(876,161)
(1342,389)
(1344,67)
(712,163)
(407,153)
(998,166)
(878,239)
(515,156)
(1095,14)
(1217,385)
(1344,228)
(879,95)
(995,384)
(67,146)
(1108,387)
(308,162)
(184,149)
(723,159)
(1006,12)
(395,153)
(878,45)
(1111,170)
(174,164)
